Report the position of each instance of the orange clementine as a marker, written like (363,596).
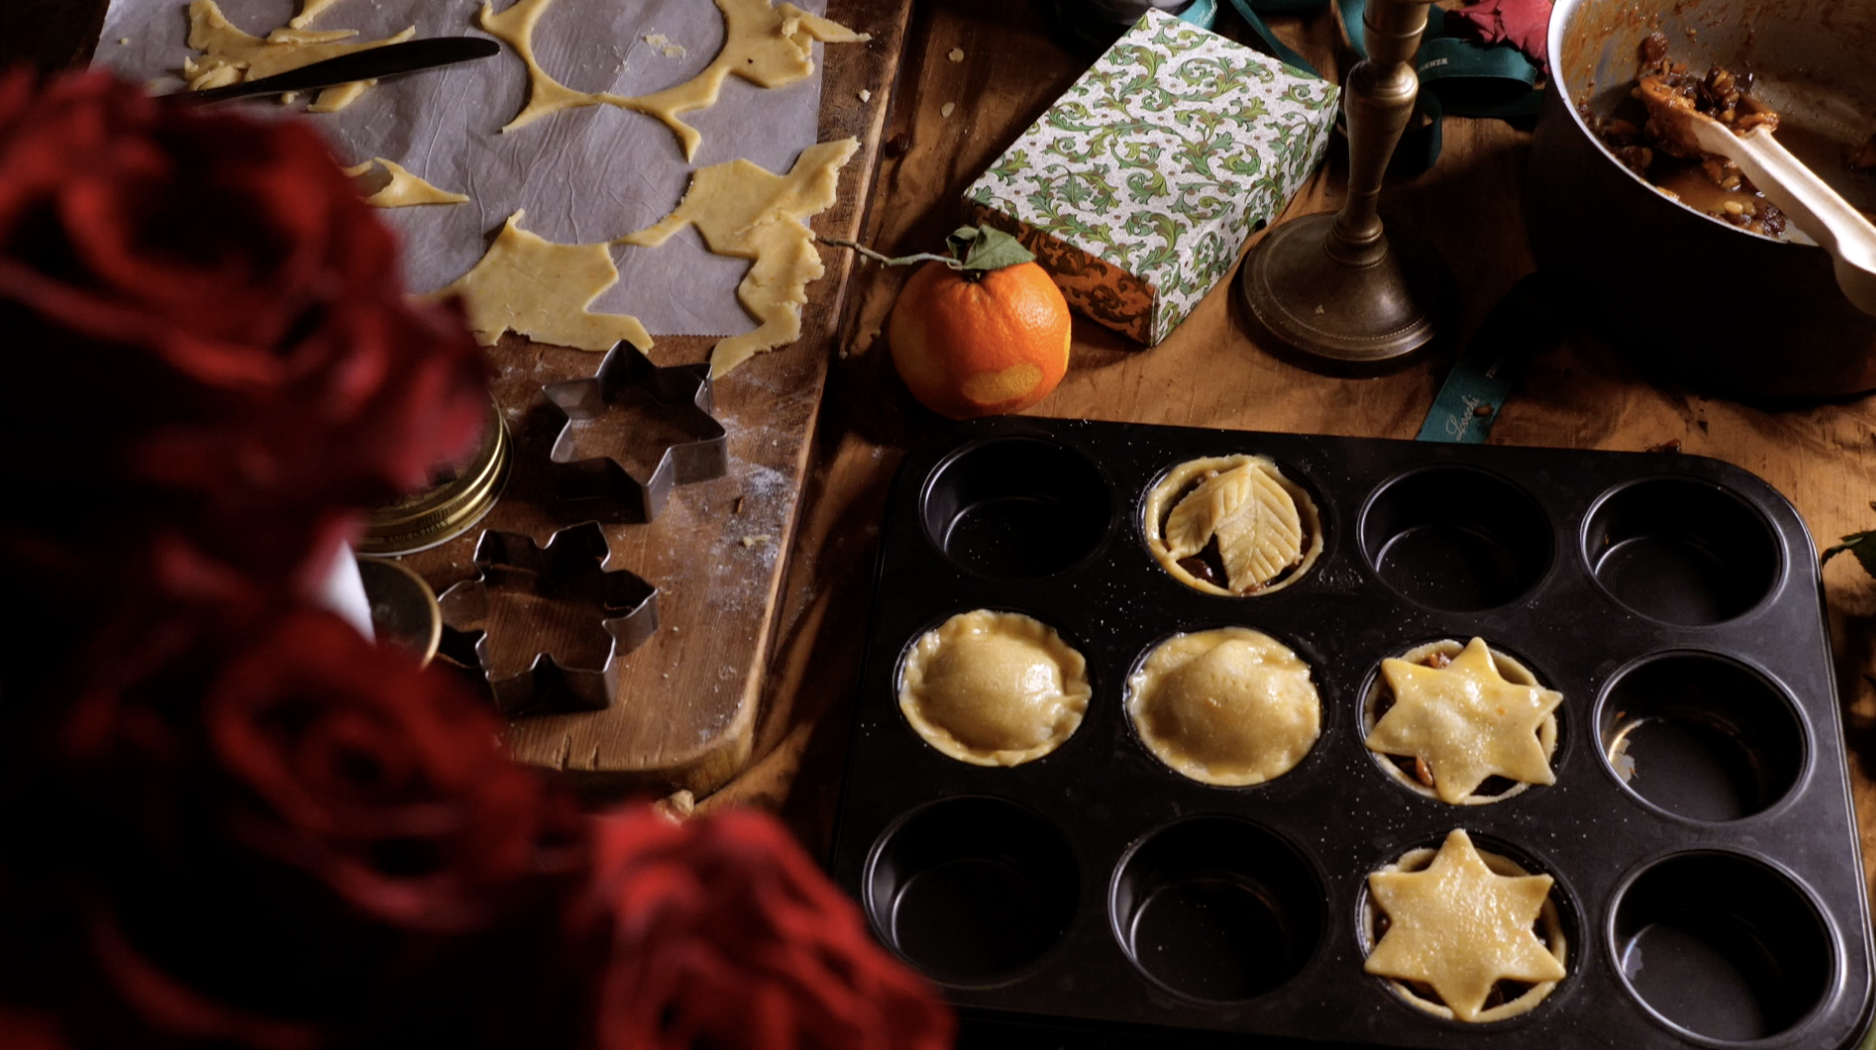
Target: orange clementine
(980,343)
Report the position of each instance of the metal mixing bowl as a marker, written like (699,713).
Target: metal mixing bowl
(1715,306)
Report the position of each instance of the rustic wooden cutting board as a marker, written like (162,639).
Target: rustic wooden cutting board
(685,714)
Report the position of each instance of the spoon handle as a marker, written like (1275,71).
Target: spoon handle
(1810,202)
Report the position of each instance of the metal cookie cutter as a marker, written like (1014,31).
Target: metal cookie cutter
(547,625)
(663,411)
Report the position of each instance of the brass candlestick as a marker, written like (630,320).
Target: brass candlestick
(1342,288)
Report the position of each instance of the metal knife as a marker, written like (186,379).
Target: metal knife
(374,63)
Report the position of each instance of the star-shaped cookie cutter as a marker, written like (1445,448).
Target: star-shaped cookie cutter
(567,574)
(684,391)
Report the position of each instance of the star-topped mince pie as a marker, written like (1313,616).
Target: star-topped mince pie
(1232,525)
(1465,724)
(1465,934)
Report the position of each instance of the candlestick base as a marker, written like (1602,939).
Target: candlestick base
(1343,317)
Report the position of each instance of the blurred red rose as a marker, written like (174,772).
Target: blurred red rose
(727,935)
(386,781)
(213,356)
(292,828)
(22,1030)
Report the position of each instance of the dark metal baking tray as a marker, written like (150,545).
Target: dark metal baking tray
(1716,899)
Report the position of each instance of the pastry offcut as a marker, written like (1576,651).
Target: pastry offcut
(744,211)
(767,46)
(531,286)
(993,688)
(230,56)
(1466,934)
(1230,706)
(1232,525)
(401,187)
(1472,725)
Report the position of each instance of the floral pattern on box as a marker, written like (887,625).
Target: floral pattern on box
(1140,184)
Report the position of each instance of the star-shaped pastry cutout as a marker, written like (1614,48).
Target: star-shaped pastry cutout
(1466,722)
(745,211)
(535,287)
(1461,927)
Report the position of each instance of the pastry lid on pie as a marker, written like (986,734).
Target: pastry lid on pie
(1479,716)
(1237,513)
(993,688)
(1460,921)
(1230,706)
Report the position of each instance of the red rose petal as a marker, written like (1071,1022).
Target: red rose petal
(729,909)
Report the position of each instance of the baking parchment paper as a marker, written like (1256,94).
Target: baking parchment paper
(583,175)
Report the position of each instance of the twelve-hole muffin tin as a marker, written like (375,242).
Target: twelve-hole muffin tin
(1700,830)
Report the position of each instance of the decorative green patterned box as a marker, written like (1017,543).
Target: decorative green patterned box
(1141,183)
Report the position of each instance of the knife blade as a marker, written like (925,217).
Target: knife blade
(375,63)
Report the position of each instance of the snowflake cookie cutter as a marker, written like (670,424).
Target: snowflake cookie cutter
(672,408)
(582,618)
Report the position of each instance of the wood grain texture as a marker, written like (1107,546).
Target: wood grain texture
(685,715)
(1210,373)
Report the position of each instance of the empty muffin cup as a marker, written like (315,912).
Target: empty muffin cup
(1016,508)
(1456,538)
(1216,909)
(971,889)
(1681,551)
(1722,946)
(1701,736)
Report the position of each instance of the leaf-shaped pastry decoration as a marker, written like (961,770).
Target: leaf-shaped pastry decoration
(1254,519)
(1194,519)
(1263,536)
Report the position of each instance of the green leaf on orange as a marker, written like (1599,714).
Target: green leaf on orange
(987,248)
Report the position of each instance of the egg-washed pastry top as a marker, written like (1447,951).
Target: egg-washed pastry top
(1231,706)
(1467,722)
(993,688)
(1232,525)
(1462,924)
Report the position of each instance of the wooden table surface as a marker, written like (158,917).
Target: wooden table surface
(1209,373)
(684,710)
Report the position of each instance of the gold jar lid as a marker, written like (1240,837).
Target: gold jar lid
(404,612)
(449,508)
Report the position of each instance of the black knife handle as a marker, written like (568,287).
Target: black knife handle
(374,63)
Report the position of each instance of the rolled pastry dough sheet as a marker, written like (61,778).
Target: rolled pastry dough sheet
(584,176)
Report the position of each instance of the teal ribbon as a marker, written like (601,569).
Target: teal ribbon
(1522,326)
(1201,13)
(1457,76)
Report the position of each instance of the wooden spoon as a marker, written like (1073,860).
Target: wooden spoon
(1817,209)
